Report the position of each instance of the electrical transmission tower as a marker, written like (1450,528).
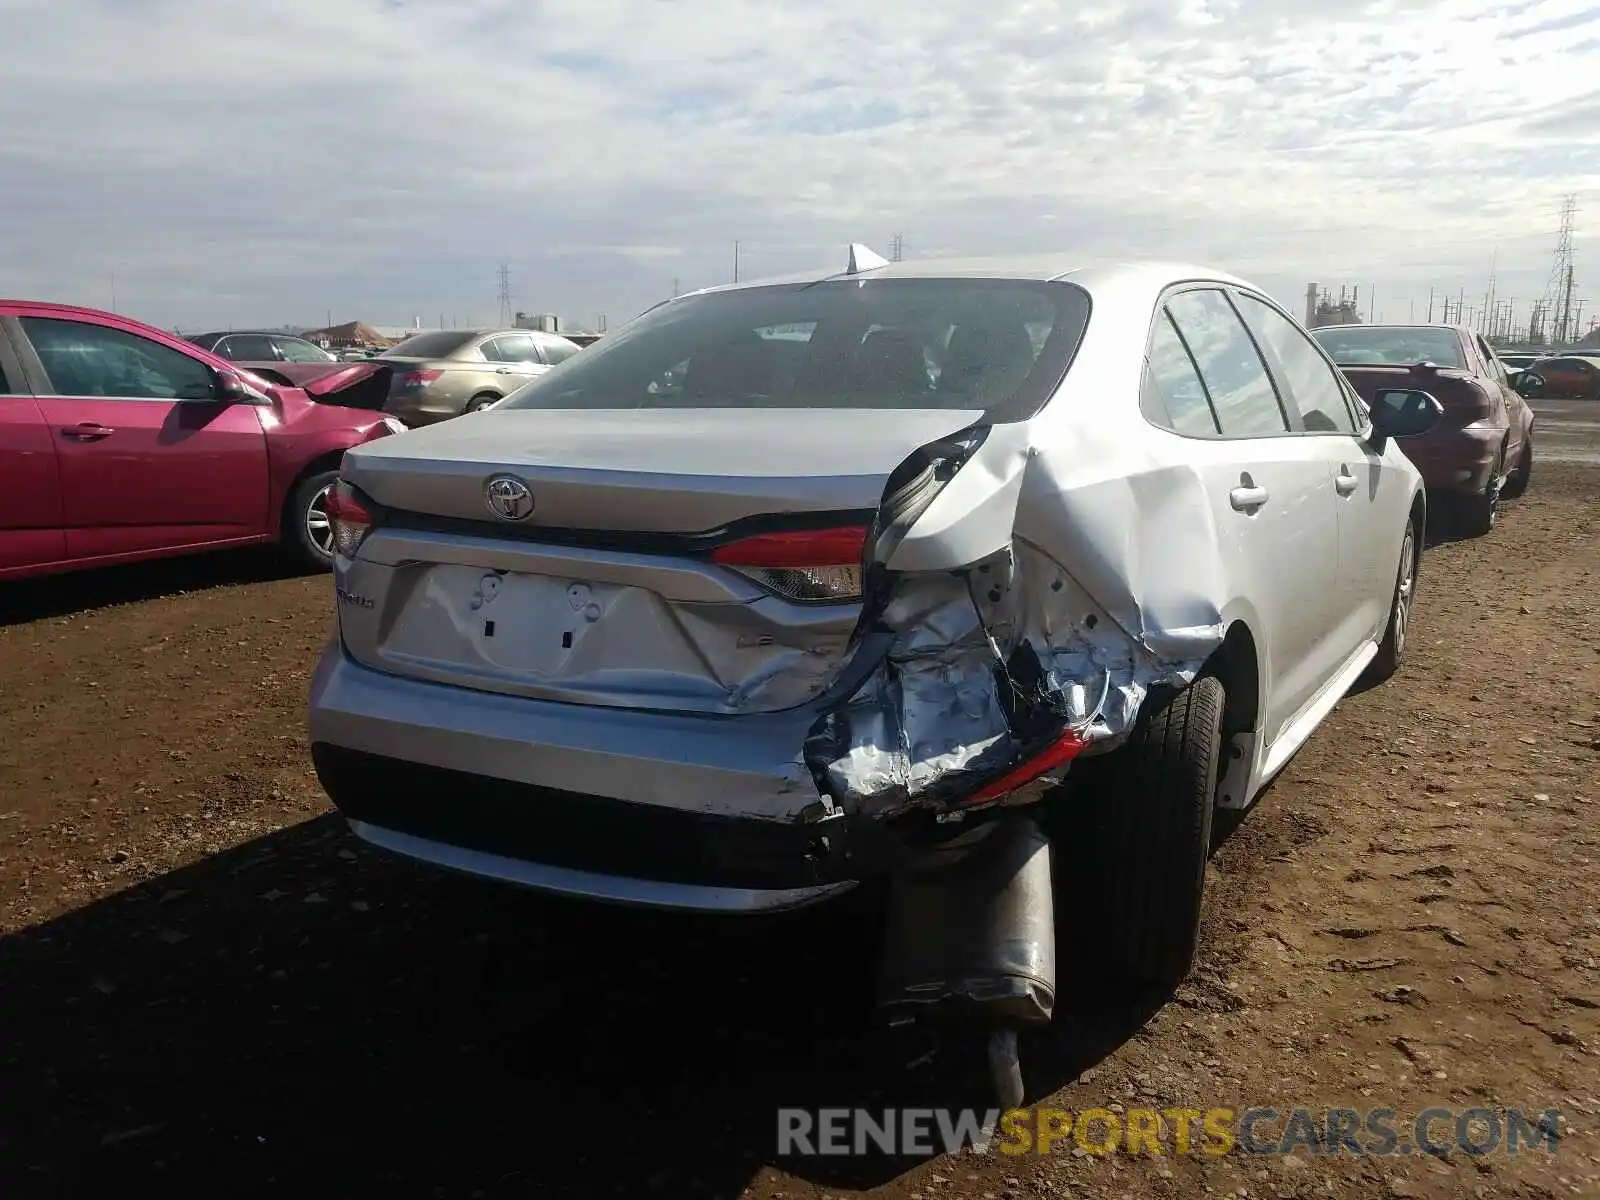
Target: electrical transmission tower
(1557,302)
(897,248)
(504,274)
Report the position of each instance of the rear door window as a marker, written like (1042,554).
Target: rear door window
(1236,378)
(298,350)
(511,348)
(82,359)
(1173,395)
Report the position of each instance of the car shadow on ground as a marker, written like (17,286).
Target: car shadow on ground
(79,591)
(302,1013)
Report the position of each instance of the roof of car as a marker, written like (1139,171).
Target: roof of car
(1075,268)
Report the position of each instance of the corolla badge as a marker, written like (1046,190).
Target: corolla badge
(508,497)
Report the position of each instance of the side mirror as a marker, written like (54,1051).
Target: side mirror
(232,389)
(1403,412)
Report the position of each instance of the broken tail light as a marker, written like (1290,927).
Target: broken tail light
(350,518)
(1057,754)
(808,566)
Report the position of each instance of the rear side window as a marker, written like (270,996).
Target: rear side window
(1236,379)
(1312,381)
(557,349)
(1172,392)
(247,347)
(998,345)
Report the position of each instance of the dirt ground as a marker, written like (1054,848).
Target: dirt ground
(207,987)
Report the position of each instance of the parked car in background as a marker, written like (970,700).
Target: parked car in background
(120,442)
(444,373)
(809,580)
(276,357)
(1482,451)
(1567,377)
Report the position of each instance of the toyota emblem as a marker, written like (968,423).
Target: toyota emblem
(508,498)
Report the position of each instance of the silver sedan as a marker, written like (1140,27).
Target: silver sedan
(792,582)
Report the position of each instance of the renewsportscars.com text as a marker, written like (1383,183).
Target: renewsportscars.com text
(1374,1132)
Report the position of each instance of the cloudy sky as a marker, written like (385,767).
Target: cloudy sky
(379,159)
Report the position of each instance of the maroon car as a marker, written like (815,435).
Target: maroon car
(1481,450)
(119,442)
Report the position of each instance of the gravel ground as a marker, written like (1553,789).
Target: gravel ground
(208,987)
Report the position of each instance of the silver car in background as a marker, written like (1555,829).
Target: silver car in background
(792,583)
(443,373)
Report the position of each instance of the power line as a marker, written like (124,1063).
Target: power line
(504,274)
(1557,301)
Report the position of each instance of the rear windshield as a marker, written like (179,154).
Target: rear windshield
(1400,346)
(997,345)
(439,344)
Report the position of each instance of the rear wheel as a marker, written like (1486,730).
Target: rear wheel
(307,533)
(1519,479)
(1143,845)
(481,401)
(1476,514)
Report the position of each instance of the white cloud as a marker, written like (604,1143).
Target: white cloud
(381,157)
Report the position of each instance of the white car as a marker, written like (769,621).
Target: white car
(794,582)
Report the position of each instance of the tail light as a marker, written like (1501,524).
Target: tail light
(1054,756)
(349,517)
(416,379)
(809,566)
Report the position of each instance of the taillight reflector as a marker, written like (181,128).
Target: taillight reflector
(349,517)
(809,565)
(1059,752)
(419,378)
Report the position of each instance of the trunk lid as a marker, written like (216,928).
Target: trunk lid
(649,470)
(605,595)
(1462,395)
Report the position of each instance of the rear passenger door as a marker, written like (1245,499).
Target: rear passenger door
(1372,492)
(1270,490)
(30,484)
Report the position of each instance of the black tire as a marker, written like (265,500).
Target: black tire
(307,542)
(1476,514)
(1392,650)
(1142,846)
(480,402)
(1518,482)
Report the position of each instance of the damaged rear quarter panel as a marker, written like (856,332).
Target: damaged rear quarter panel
(1076,539)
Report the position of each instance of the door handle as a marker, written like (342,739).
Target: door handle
(504,371)
(1344,483)
(87,431)
(1246,499)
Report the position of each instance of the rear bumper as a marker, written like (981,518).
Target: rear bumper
(1454,458)
(609,804)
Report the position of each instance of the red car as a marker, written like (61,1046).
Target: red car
(119,442)
(1481,450)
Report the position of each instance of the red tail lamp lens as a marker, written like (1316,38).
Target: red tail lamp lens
(349,518)
(806,565)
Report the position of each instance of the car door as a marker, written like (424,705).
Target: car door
(1272,500)
(1373,492)
(30,484)
(148,458)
